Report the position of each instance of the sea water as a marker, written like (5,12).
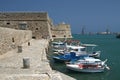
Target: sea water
(109,46)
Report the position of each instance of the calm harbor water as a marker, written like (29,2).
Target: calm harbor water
(110,49)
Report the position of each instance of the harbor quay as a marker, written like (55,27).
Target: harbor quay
(24,42)
(28,62)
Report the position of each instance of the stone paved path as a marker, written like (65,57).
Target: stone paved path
(11,64)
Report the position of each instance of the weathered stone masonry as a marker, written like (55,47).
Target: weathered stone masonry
(38,23)
(11,38)
(61,31)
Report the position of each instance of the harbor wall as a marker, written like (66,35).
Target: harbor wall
(11,38)
(11,64)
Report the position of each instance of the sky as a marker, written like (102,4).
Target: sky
(93,15)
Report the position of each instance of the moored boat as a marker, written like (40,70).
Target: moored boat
(63,47)
(88,64)
(85,67)
(82,50)
(58,44)
(65,57)
(68,57)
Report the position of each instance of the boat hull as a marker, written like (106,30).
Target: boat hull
(88,70)
(57,59)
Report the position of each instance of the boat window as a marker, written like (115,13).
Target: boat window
(83,49)
(75,49)
(55,44)
(61,44)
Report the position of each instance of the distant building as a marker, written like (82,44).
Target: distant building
(104,33)
(107,31)
(83,30)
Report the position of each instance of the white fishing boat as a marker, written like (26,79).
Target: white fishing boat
(88,64)
(58,44)
(62,48)
(82,50)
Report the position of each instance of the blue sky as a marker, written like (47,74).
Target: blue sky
(94,15)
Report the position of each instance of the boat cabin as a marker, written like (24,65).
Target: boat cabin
(77,49)
(58,44)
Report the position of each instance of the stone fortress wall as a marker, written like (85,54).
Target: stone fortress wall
(61,31)
(11,38)
(38,22)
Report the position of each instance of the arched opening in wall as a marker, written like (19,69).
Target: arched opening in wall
(33,37)
(53,35)
(13,40)
(8,23)
(36,28)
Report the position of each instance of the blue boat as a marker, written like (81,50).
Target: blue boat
(65,57)
(68,57)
